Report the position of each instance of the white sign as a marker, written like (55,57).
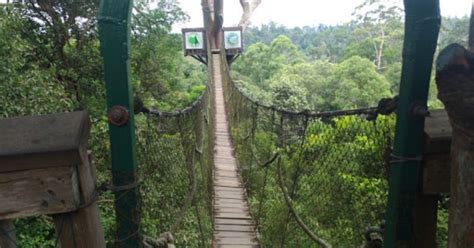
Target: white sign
(232,39)
(194,40)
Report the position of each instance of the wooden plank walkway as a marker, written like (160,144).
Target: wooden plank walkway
(233,225)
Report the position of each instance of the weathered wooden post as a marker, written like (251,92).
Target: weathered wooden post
(44,169)
(455,81)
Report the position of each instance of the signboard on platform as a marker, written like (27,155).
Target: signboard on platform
(233,42)
(194,41)
(233,39)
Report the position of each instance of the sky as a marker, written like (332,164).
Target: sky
(301,12)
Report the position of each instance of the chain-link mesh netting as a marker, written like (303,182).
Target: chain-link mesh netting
(175,172)
(313,179)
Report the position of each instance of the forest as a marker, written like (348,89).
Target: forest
(51,62)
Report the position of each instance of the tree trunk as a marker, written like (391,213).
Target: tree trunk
(455,81)
(248,7)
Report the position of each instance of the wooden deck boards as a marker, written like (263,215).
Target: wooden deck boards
(233,225)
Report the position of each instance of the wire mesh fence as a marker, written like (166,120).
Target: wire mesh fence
(313,179)
(175,173)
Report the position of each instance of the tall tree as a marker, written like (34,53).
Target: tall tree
(377,24)
(248,7)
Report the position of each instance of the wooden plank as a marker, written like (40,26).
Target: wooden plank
(230,196)
(228,184)
(40,191)
(233,222)
(220,177)
(227,168)
(229,160)
(233,215)
(220,173)
(220,188)
(228,234)
(436,174)
(238,228)
(228,192)
(236,210)
(236,205)
(438,132)
(221,205)
(237,241)
(226,164)
(237,246)
(44,141)
(226,179)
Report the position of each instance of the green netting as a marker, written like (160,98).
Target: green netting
(313,179)
(175,173)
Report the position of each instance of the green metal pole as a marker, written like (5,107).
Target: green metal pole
(422,23)
(114,30)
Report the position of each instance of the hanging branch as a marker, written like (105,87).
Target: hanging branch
(298,219)
(248,7)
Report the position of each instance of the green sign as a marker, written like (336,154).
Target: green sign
(194,40)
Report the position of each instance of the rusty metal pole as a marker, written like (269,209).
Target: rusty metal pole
(455,81)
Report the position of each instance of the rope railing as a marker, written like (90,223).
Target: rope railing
(174,165)
(314,179)
(174,174)
(307,113)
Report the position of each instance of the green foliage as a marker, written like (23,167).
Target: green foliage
(35,232)
(25,88)
(51,63)
(288,95)
(267,60)
(356,83)
(319,86)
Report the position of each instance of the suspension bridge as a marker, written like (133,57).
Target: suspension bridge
(233,225)
(232,171)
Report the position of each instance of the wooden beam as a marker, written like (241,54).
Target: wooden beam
(35,142)
(82,228)
(436,158)
(45,169)
(41,191)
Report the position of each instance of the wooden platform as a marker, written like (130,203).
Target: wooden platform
(233,225)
